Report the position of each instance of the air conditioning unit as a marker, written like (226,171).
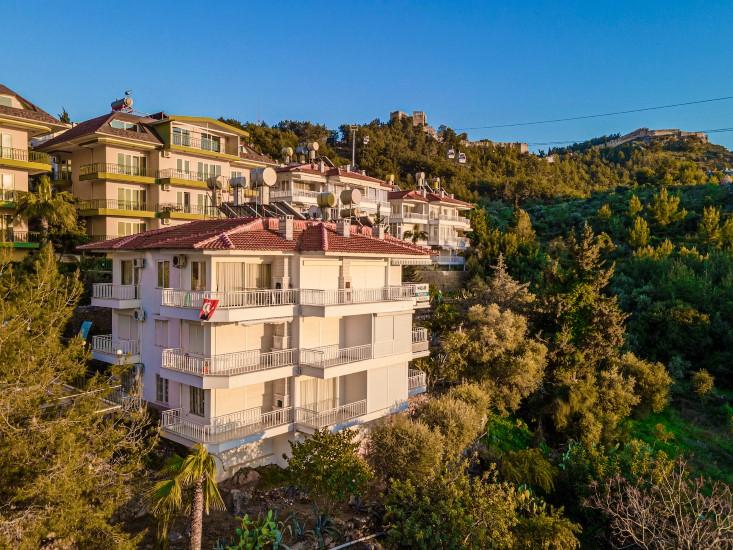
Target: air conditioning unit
(166,154)
(139,314)
(179,260)
(138,262)
(166,187)
(165,221)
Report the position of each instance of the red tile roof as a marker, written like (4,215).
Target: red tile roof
(429,197)
(32,112)
(261,234)
(250,154)
(310,168)
(100,125)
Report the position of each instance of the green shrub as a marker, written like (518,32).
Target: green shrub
(403,449)
(703,382)
(472,394)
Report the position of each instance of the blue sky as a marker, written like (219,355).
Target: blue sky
(465,64)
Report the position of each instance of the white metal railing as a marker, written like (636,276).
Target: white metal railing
(355,295)
(222,428)
(114,292)
(416,379)
(309,415)
(444,218)
(329,356)
(407,216)
(419,334)
(295,194)
(227,364)
(229,299)
(421,292)
(449,260)
(106,344)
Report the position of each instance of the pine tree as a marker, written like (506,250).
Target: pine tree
(708,230)
(665,208)
(639,233)
(66,471)
(635,206)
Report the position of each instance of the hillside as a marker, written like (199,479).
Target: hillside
(576,171)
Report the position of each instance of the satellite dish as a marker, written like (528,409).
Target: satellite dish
(462,158)
(263,177)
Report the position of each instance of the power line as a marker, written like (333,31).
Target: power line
(599,115)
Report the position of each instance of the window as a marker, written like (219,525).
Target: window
(124,125)
(132,165)
(196,401)
(202,203)
(161,333)
(131,199)
(198,275)
(6,101)
(183,201)
(183,165)
(181,136)
(210,142)
(6,187)
(195,338)
(161,389)
(6,142)
(164,274)
(129,228)
(206,170)
(126,272)
(242,275)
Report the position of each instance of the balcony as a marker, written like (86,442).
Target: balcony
(117,172)
(420,343)
(187,211)
(332,356)
(8,197)
(313,417)
(118,352)
(230,369)
(410,217)
(449,260)
(304,196)
(416,382)
(464,223)
(115,207)
(61,180)
(18,239)
(181,178)
(237,425)
(34,162)
(233,306)
(346,301)
(115,296)
(196,144)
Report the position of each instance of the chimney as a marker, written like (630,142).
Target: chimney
(378,232)
(286,227)
(321,166)
(343,228)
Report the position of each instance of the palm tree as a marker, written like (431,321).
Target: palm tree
(415,236)
(48,207)
(191,489)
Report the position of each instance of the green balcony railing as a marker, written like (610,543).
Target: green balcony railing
(111,168)
(24,155)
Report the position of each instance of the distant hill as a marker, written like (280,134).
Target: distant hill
(401,149)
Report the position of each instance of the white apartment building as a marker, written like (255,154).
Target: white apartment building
(312,329)
(311,185)
(432,219)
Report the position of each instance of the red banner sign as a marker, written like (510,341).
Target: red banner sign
(208,307)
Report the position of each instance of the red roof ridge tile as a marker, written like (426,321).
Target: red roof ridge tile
(324,237)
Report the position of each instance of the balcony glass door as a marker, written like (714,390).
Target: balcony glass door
(131,165)
(181,136)
(131,199)
(183,201)
(6,145)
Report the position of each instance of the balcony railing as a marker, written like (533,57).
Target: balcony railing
(229,299)
(205,144)
(111,168)
(109,291)
(329,297)
(310,416)
(295,194)
(200,209)
(222,428)
(331,356)
(106,344)
(449,260)
(7,235)
(227,364)
(419,334)
(416,379)
(442,218)
(113,204)
(10,195)
(407,216)
(24,155)
(172,173)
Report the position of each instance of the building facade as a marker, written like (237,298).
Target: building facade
(434,219)
(312,328)
(132,173)
(20,121)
